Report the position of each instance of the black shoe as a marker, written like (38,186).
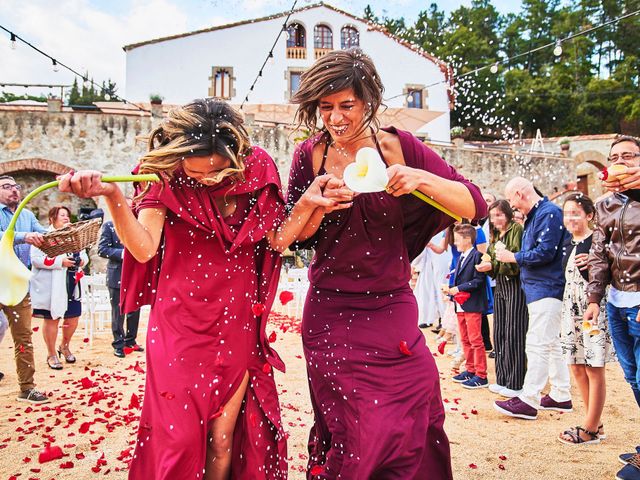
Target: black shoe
(1,375)
(33,396)
(423,325)
(118,352)
(436,330)
(492,354)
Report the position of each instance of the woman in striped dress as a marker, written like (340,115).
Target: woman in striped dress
(510,317)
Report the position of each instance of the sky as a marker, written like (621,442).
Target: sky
(88,35)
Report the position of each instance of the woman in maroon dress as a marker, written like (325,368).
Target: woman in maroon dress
(201,252)
(374,384)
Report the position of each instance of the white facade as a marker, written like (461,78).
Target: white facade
(180,68)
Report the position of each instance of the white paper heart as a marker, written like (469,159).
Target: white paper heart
(368,173)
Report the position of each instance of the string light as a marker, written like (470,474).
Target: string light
(13,41)
(557,50)
(270,54)
(494,68)
(56,64)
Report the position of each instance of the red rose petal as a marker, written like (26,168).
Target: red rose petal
(501,467)
(85,340)
(473,465)
(404,348)
(272,337)
(35,329)
(317,470)
(285,297)
(257,309)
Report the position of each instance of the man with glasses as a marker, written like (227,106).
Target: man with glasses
(614,260)
(28,232)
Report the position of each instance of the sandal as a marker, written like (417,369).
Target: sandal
(601,434)
(576,439)
(66,354)
(55,364)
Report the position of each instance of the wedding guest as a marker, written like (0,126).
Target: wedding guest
(510,317)
(613,261)
(55,292)
(540,263)
(28,231)
(586,345)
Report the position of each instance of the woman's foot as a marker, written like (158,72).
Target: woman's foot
(64,351)
(579,436)
(54,362)
(601,434)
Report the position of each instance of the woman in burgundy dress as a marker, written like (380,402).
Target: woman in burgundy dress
(374,384)
(203,253)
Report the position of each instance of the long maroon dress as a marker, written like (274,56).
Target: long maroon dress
(374,384)
(207,286)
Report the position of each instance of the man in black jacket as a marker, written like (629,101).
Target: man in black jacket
(111,248)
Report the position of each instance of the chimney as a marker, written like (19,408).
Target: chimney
(54,105)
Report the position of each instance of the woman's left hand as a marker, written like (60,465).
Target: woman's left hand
(403,179)
(582,261)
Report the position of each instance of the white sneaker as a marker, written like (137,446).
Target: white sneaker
(507,392)
(495,388)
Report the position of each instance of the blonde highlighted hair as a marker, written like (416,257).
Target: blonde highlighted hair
(336,71)
(203,127)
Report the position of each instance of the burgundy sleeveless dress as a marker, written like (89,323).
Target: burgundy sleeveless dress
(208,285)
(374,384)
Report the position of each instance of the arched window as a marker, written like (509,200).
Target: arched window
(296,36)
(349,37)
(322,37)
(221,85)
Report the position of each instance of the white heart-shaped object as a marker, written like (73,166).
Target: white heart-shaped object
(14,276)
(368,173)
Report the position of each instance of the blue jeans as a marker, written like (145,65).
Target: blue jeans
(625,333)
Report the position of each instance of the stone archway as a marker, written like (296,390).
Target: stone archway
(32,165)
(33,172)
(595,158)
(588,164)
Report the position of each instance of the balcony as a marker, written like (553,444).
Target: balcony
(297,53)
(321,52)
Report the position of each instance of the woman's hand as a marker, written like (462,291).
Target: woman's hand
(627,183)
(86,184)
(582,261)
(484,267)
(336,190)
(403,179)
(68,263)
(326,192)
(591,313)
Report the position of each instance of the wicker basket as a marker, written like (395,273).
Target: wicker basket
(72,238)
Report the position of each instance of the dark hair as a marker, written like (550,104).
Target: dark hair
(53,212)
(505,208)
(625,138)
(7,177)
(339,70)
(466,230)
(585,203)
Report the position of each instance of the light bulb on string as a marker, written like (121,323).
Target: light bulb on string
(107,97)
(557,50)
(14,41)
(494,68)
(55,65)
(85,82)
(271,58)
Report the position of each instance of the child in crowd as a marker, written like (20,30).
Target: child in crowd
(470,294)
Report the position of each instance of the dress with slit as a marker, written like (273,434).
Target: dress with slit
(210,286)
(374,385)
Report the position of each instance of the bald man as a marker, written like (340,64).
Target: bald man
(542,278)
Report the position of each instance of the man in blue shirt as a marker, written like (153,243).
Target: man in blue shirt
(542,278)
(28,232)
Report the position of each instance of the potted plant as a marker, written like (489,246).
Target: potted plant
(456,136)
(156,99)
(565,144)
(156,104)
